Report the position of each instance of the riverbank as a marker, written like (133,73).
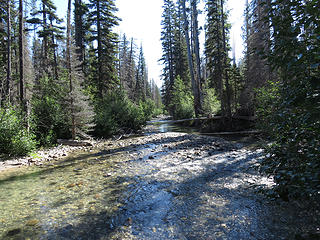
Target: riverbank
(41,156)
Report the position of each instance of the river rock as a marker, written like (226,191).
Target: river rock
(13,232)
(32,222)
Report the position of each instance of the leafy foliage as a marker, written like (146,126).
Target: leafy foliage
(182,101)
(14,138)
(211,105)
(117,114)
(293,158)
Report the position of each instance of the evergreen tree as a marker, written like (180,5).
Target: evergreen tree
(127,66)
(101,18)
(168,41)
(50,31)
(193,65)
(80,9)
(257,41)
(216,49)
(290,108)
(81,113)
(2,52)
(141,78)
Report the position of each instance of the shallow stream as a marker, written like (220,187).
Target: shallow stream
(162,185)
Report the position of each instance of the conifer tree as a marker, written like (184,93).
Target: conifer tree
(141,77)
(2,52)
(102,19)
(127,66)
(9,58)
(21,55)
(80,10)
(216,49)
(168,48)
(193,66)
(50,31)
(80,111)
(257,41)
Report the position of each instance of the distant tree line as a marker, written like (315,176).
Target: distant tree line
(277,80)
(68,80)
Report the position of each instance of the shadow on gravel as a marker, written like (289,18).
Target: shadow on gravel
(217,203)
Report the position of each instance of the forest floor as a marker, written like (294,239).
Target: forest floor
(169,186)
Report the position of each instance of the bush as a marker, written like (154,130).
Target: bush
(292,121)
(182,101)
(211,104)
(157,112)
(51,121)
(14,137)
(115,113)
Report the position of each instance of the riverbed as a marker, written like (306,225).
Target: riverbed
(164,184)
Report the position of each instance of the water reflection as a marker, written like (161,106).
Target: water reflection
(169,126)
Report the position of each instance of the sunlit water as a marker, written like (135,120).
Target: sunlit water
(122,188)
(46,202)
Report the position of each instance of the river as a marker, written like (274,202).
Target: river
(164,184)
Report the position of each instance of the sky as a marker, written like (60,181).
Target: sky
(141,20)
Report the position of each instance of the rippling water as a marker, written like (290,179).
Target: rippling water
(47,202)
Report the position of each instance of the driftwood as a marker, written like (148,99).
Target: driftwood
(74,143)
(234,133)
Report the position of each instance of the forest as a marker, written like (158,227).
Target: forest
(277,80)
(80,78)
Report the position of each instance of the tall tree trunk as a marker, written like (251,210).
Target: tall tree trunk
(21,54)
(247,40)
(99,49)
(131,72)
(79,30)
(45,39)
(55,61)
(73,127)
(228,97)
(196,46)
(9,68)
(190,61)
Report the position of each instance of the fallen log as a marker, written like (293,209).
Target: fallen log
(74,143)
(234,133)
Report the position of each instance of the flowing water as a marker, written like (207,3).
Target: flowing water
(55,200)
(162,185)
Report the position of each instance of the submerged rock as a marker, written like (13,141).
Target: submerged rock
(32,222)
(13,232)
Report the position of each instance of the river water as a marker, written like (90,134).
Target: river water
(162,185)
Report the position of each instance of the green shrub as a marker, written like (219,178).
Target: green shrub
(116,113)
(157,112)
(148,108)
(51,120)
(182,101)
(289,115)
(211,104)
(14,137)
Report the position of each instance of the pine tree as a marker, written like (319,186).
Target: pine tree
(101,18)
(141,78)
(216,49)
(168,40)
(2,51)
(80,111)
(9,58)
(127,66)
(257,41)
(195,79)
(50,32)
(80,10)
(21,55)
